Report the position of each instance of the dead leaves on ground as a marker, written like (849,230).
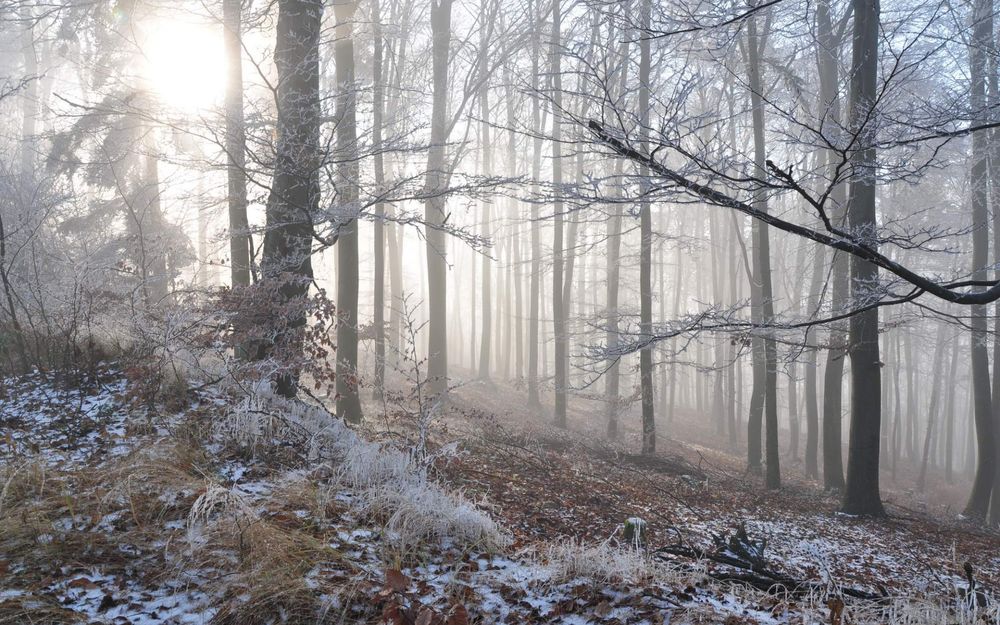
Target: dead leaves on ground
(402,606)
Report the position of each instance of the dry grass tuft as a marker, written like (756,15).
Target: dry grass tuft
(274,562)
(21,609)
(608,563)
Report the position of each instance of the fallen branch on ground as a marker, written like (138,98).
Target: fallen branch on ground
(747,557)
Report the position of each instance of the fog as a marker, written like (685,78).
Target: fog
(762,235)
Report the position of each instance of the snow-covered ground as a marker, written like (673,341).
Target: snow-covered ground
(257,510)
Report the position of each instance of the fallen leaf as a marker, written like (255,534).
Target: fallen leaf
(424,618)
(603,609)
(458,615)
(395,579)
(82,582)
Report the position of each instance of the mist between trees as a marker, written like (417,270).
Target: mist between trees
(771,227)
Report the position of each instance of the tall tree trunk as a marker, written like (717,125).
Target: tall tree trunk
(645,246)
(396,236)
(294,197)
(993,82)
(833,378)
(558,305)
(762,262)
(861,491)
(897,411)
(982,486)
(911,396)
(514,215)
(487,170)
(239,228)
(536,244)
(348,400)
(794,422)
(678,289)
(378,110)
(733,367)
(612,377)
(719,370)
(436,182)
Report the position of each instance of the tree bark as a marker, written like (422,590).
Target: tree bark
(348,400)
(436,181)
(812,404)
(536,245)
(762,263)
(645,246)
(833,379)
(487,170)
(378,113)
(979,499)
(861,491)
(949,413)
(558,305)
(932,408)
(294,195)
(239,228)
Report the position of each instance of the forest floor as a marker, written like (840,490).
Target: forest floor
(548,483)
(223,509)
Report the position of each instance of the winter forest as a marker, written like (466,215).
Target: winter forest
(444,312)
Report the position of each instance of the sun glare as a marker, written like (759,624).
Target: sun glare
(186,64)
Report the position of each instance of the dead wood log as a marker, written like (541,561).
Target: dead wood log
(746,556)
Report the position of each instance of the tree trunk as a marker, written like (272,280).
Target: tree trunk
(536,245)
(294,195)
(436,182)
(378,108)
(29,97)
(645,246)
(812,403)
(833,379)
(762,263)
(861,492)
(982,486)
(514,214)
(395,233)
(932,408)
(949,413)
(558,305)
(678,289)
(348,400)
(487,170)
(993,73)
(239,229)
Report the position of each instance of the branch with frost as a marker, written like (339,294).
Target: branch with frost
(717,320)
(850,243)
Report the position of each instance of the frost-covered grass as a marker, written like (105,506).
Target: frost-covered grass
(608,563)
(383,482)
(391,485)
